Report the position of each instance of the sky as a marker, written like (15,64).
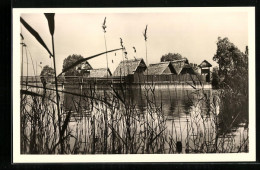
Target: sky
(191,34)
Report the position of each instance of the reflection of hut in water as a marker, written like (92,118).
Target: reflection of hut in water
(132,68)
(100,72)
(205,69)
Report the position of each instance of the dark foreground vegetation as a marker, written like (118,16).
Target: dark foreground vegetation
(109,122)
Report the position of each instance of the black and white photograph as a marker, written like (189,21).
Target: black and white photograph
(134,84)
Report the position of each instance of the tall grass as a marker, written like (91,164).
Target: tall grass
(129,129)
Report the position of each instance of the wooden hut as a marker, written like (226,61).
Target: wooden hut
(205,69)
(160,68)
(159,72)
(84,68)
(179,64)
(165,71)
(131,69)
(187,69)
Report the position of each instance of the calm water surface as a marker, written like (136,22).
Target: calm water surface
(187,116)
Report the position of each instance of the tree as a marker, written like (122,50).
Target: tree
(194,67)
(75,71)
(171,57)
(47,71)
(233,66)
(233,81)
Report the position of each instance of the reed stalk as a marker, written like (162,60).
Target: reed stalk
(57,97)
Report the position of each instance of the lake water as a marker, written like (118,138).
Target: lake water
(191,118)
(133,120)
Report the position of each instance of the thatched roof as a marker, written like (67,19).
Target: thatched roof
(181,60)
(179,64)
(129,67)
(100,72)
(159,68)
(174,67)
(188,69)
(205,63)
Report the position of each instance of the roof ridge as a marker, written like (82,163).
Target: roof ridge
(135,59)
(210,65)
(184,59)
(99,68)
(160,63)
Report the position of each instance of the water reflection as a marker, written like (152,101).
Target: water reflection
(158,120)
(173,102)
(188,114)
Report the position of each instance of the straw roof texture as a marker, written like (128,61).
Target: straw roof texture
(159,68)
(101,72)
(128,67)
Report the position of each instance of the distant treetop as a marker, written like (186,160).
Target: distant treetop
(171,57)
(47,71)
(75,71)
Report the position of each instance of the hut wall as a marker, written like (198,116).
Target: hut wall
(138,77)
(206,72)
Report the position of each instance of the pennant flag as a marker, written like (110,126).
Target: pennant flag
(145,33)
(121,43)
(23,44)
(35,34)
(50,18)
(125,55)
(134,49)
(21,36)
(104,25)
